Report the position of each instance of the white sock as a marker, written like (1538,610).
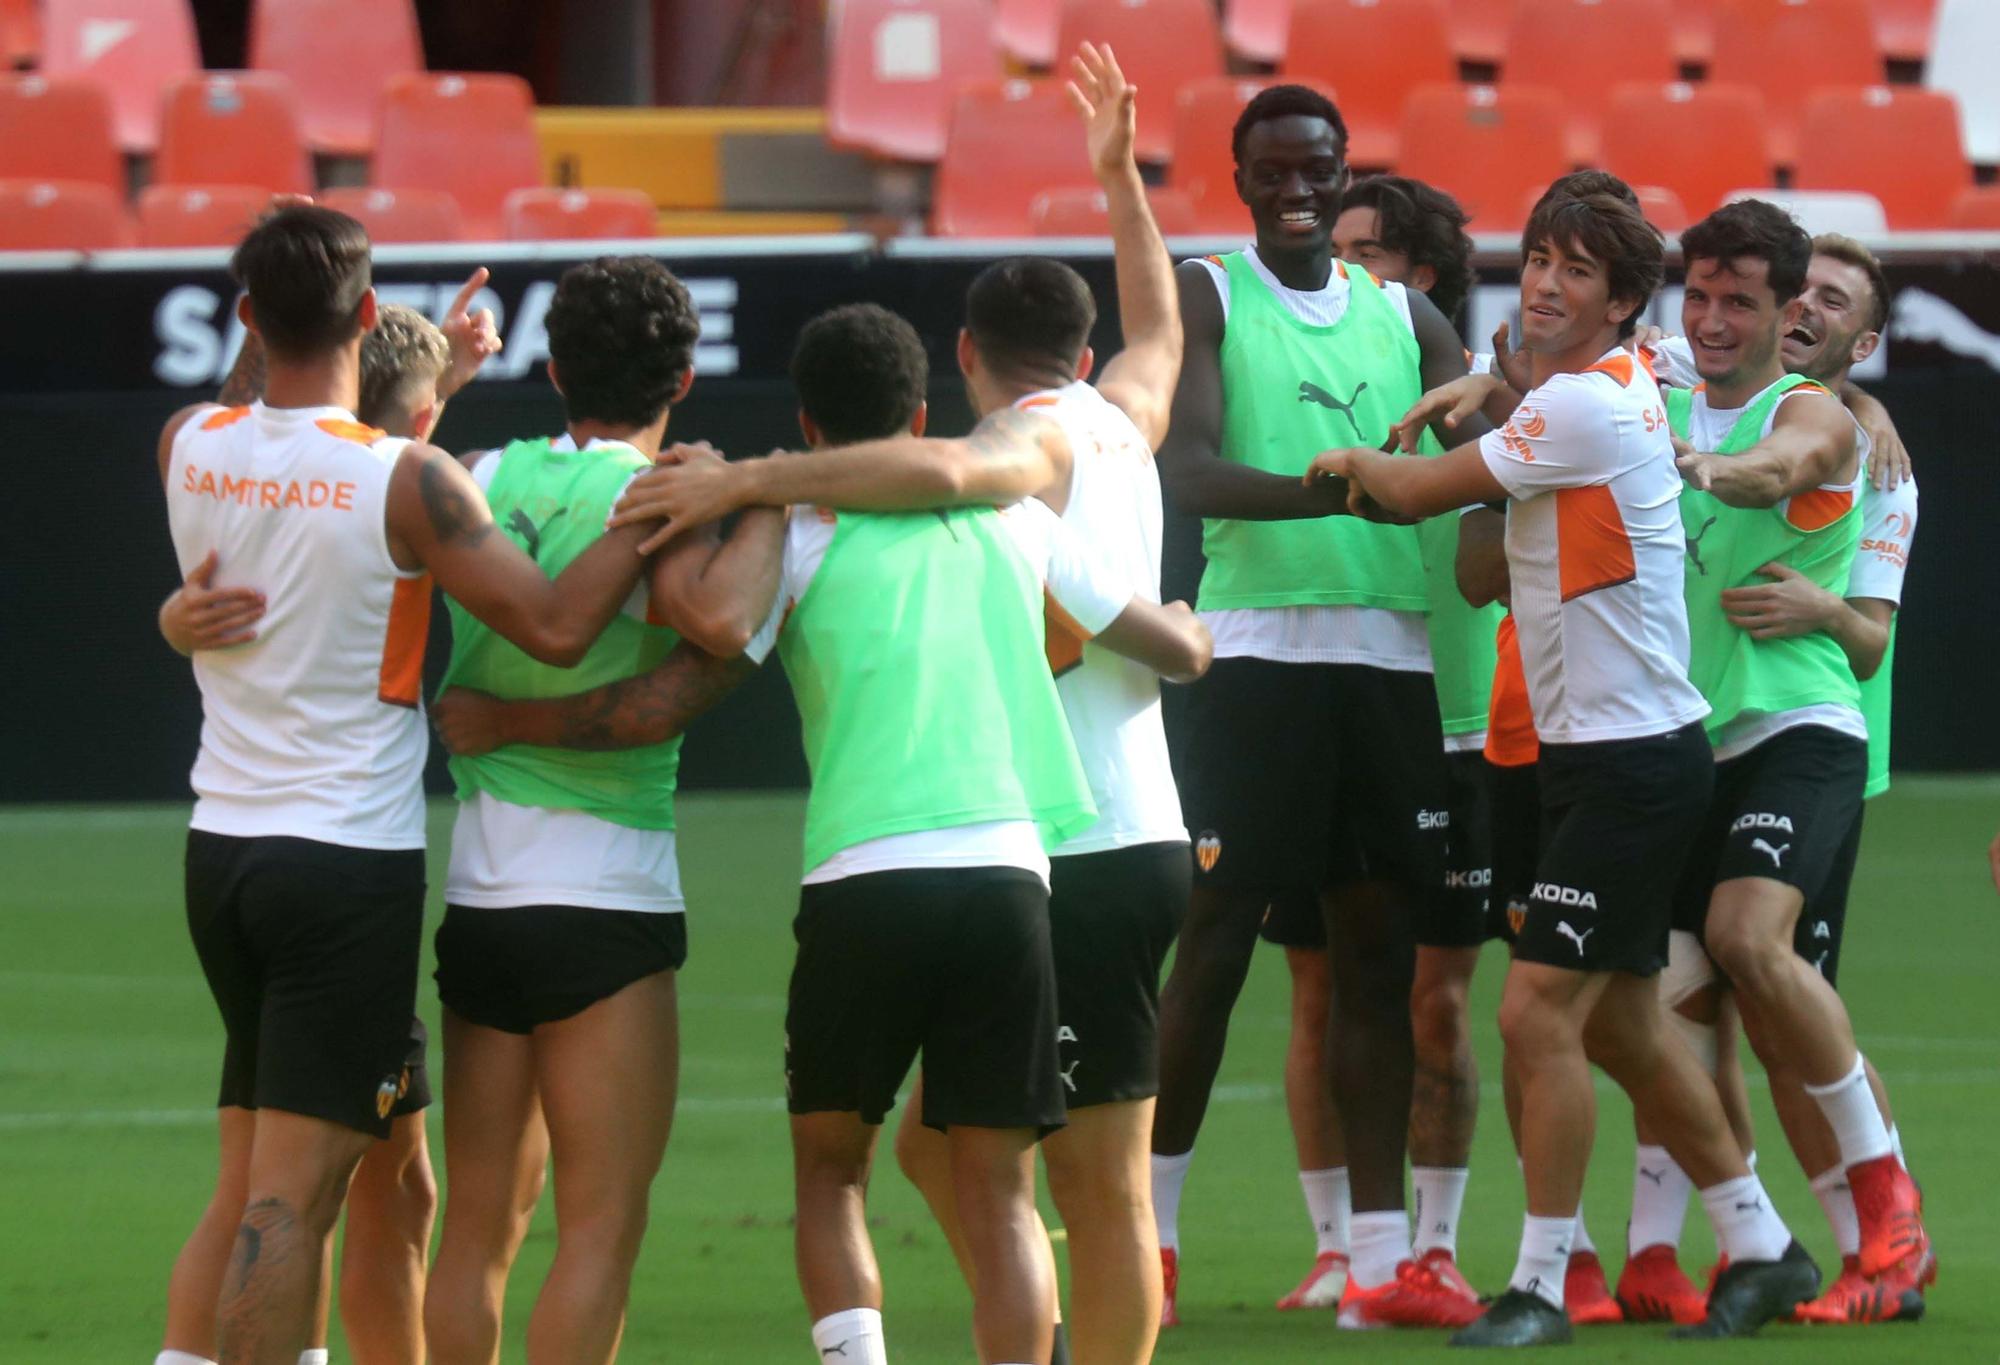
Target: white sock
(1660,1190)
(1849,1106)
(314,1355)
(1440,1197)
(1747,1226)
(1544,1262)
(181,1358)
(1750,1160)
(1580,1239)
(853,1337)
(1327,1202)
(1838,1201)
(1379,1243)
(1169,1175)
(1896,1146)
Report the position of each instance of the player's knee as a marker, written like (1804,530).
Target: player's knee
(919,1153)
(1749,953)
(1438,1019)
(1532,1027)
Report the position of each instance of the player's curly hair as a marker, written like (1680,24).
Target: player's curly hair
(1029,316)
(1425,224)
(1282,101)
(406,349)
(1611,232)
(622,331)
(1752,229)
(861,373)
(305,268)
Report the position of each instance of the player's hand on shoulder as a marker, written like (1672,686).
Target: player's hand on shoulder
(202,616)
(474,338)
(693,489)
(467,721)
(1099,92)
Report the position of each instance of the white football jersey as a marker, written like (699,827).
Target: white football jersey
(315,729)
(1113,704)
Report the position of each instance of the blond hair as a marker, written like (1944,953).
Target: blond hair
(405,349)
(1850,252)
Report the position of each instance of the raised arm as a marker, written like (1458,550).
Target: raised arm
(1411,487)
(1140,379)
(1811,443)
(1009,456)
(438,520)
(648,708)
(1888,457)
(1197,478)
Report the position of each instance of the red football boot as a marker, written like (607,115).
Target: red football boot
(1323,1285)
(1890,1209)
(1586,1297)
(1854,1298)
(1170,1283)
(1654,1288)
(1417,1297)
(1445,1266)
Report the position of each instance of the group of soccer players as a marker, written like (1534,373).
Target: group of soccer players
(1575,680)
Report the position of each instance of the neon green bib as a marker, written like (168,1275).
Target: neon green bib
(916,656)
(1875,710)
(1289,391)
(553,503)
(1726,547)
(1462,635)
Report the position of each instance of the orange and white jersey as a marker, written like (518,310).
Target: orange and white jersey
(1595,554)
(1113,704)
(315,728)
(1888,528)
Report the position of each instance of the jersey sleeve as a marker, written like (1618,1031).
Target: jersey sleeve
(1090,591)
(1563,435)
(1888,526)
(1673,363)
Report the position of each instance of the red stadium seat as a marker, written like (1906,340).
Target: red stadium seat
(1897,143)
(1663,208)
(1582,48)
(1694,32)
(547,214)
(57,130)
(895,66)
(134,49)
(338,55)
(400,215)
(1204,165)
(1789,49)
(1006,142)
(61,215)
(1978,209)
(1082,212)
(1026,29)
(236,128)
(20,32)
(1700,141)
(1373,52)
(1479,28)
(199,215)
(1487,147)
(1257,29)
(471,135)
(1161,45)
(1903,27)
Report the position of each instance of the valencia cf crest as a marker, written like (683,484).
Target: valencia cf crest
(1517,916)
(385,1096)
(1207,850)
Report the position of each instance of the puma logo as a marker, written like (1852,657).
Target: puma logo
(1754,1206)
(1694,547)
(1926,317)
(1069,1075)
(1310,392)
(1657,1177)
(840,1350)
(1562,927)
(1777,854)
(522,526)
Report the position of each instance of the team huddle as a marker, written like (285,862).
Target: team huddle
(1583,645)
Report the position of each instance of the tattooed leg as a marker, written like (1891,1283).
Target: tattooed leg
(1445,1105)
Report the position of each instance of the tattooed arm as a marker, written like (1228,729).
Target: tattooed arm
(649,708)
(245,383)
(438,520)
(1010,455)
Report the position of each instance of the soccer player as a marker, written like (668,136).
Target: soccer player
(409,368)
(564,926)
(1774,489)
(1118,890)
(1593,550)
(1315,760)
(305,870)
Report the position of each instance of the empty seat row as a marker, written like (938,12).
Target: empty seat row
(1486,144)
(471,135)
(897,64)
(74,215)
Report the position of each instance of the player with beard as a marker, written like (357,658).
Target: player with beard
(1319,622)
(1593,547)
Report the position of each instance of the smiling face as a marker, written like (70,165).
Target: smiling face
(1566,301)
(1733,319)
(1357,237)
(1291,177)
(1831,332)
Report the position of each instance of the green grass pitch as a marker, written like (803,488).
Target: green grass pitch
(109,1047)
